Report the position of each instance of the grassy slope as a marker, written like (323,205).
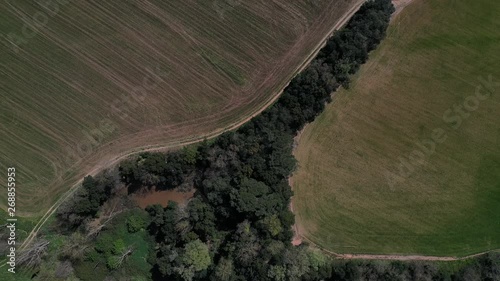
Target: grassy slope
(450,205)
(61,85)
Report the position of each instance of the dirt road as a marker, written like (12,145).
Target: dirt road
(176,144)
(393,257)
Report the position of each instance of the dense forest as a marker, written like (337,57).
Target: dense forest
(238,225)
(239,222)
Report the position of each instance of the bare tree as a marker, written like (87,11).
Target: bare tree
(109,211)
(31,256)
(182,224)
(128,251)
(115,262)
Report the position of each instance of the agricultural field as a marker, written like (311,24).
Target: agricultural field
(407,160)
(84,83)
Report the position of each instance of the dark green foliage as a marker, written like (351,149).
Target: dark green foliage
(486,267)
(117,251)
(85,203)
(135,223)
(89,272)
(163,222)
(238,225)
(157,169)
(255,199)
(104,244)
(346,51)
(201,218)
(241,209)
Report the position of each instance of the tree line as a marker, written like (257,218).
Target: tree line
(239,220)
(238,225)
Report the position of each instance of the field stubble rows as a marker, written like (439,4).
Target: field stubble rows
(98,81)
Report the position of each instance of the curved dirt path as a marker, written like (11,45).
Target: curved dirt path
(394,257)
(342,21)
(400,4)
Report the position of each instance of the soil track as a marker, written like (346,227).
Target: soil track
(394,257)
(113,160)
(400,4)
(225,70)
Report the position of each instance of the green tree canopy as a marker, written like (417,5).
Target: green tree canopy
(196,255)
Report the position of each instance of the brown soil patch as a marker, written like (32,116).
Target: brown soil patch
(161,197)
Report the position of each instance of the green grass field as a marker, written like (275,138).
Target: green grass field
(88,81)
(349,194)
